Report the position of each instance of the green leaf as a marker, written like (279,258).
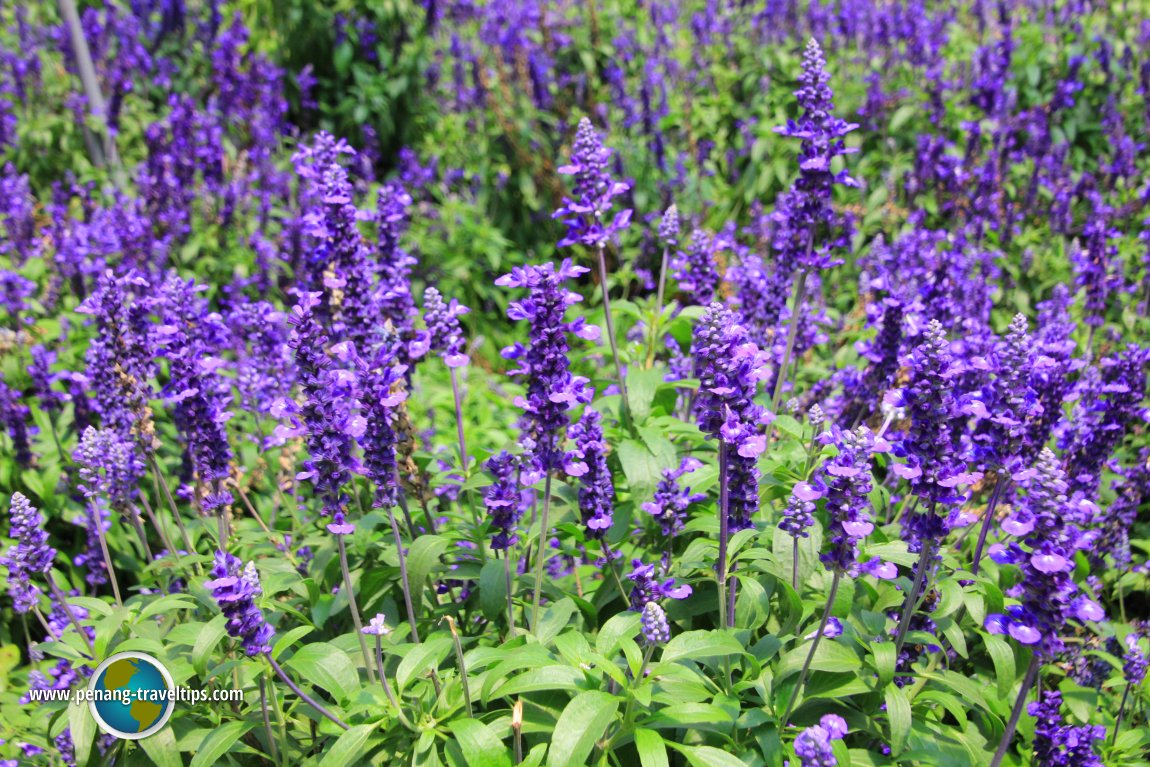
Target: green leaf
(327,667)
(493,589)
(640,466)
(641,387)
(218,742)
(479,745)
(831,656)
(1003,657)
(708,756)
(898,713)
(161,749)
(547,678)
(884,661)
(701,644)
(422,558)
(83,727)
(348,748)
(420,658)
(625,624)
(288,639)
(581,724)
(554,619)
(652,750)
(206,642)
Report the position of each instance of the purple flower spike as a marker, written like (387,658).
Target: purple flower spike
(1060,745)
(551,388)
(1048,595)
(31,555)
(847,480)
(594,189)
(729,368)
(648,589)
(671,500)
(235,588)
(656,630)
(444,334)
(813,745)
(504,500)
(588,462)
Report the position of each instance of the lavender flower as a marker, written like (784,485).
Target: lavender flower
(671,501)
(813,745)
(31,555)
(327,416)
(656,630)
(588,462)
(806,208)
(695,268)
(729,368)
(1060,745)
(848,485)
(1053,530)
(396,303)
(504,500)
(444,333)
(647,588)
(669,227)
(551,388)
(235,587)
(594,189)
(382,390)
(198,395)
(931,466)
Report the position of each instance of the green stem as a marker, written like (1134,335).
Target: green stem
(355,619)
(541,554)
(626,408)
(814,647)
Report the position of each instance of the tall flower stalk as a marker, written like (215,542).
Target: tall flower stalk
(585,215)
(552,390)
(847,482)
(446,337)
(805,212)
(729,368)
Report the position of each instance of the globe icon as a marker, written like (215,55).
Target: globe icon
(131,695)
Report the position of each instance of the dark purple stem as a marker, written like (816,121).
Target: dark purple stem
(987,522)
(1012,724)
(303,695)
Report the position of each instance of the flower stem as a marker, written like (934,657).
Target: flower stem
(795,565)
(1012,723)
(273,749)
(68,609)
(510,600)
(541,554)
(814,647)
(626,408)
(459,421)
(107,555)
(462,666)
(303,695)
(724,503)
(163,483)
(792,333)
(387,685)
(987,523)
(354,607)
(925,556)
(404,582)
(658,316)
(1121,711)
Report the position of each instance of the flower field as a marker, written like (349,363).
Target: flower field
(621,382)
